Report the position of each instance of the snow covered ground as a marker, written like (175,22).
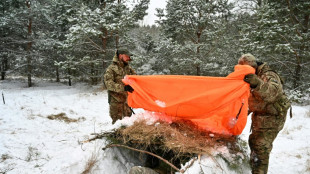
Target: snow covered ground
(32,143)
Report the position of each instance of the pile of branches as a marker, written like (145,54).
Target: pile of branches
(182,137)
(173,143)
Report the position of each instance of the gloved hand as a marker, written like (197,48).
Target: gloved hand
(252,79)
(128,88)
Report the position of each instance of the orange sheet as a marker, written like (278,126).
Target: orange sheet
(213,103)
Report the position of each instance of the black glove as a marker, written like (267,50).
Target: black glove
(252,79)
(128,88)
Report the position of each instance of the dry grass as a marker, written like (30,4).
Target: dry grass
(63,117)
(298,156)
(177,142)
(308,161)
(308,166)
(5,157)
(182,137)
(90,163)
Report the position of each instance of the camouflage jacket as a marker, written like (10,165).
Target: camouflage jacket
(113,80)
(268,97)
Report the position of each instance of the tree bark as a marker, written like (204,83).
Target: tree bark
(198,70)
(104,46)
(116,39)
(69,77)
(29,45)
(297,75)
(4,67)
(57,74)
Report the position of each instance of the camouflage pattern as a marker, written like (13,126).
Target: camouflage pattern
(117,97)
(269,105)
(119,110)
(123,50)
(141,170)
(260,143)
(247,59)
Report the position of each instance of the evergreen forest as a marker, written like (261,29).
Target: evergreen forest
(74,41)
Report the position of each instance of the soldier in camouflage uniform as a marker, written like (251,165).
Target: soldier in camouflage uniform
(117,95)
(268,104)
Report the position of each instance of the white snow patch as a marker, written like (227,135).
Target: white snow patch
(160,103)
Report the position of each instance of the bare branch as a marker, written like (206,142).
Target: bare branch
(94,44)
(284,64)
(295,52)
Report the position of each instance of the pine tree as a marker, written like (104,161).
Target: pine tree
(95,33)
(24,26)
(281,37)
(195,27)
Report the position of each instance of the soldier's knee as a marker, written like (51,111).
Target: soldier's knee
(254,160)
(259,162)
(115,112)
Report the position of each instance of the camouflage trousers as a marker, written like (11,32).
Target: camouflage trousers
(264,131)
(261,145)
(119,110)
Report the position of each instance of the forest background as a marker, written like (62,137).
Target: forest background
(73,41)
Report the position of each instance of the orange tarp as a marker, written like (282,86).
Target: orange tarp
(213,103)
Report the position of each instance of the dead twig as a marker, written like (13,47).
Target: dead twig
(190,165)
(97,136)
(217,163)
(143,151)
(90,163)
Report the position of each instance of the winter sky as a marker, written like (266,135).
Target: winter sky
(150,18)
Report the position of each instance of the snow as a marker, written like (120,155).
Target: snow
(160,103)
(32,143)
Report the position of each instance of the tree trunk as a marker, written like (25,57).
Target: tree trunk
(29,70)
(104,46)
(57,74)
(29,45)
(116,39)
(69,76)
(70,84)
(300,57)
(259,3)
(198,70)
(297,76)
(4,67)
(116,32)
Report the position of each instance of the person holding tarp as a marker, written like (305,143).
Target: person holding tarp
(117,91)
(214,104)
(268,104)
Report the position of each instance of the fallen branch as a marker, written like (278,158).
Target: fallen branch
(143,151)
(97,136)
(190,165)
(217,163)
